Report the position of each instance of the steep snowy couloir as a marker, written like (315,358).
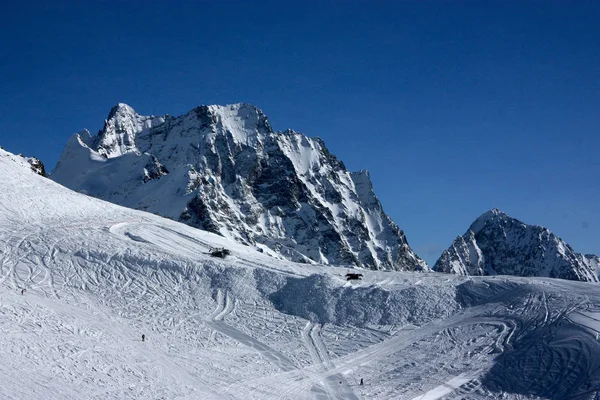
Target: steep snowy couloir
(496,244)
(224,169)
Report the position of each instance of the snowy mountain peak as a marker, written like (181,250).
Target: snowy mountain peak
(121,110)
(484,218)
(224,169)
(497,244)
(118,136)
(243,123)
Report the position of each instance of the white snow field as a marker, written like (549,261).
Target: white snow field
(97,276)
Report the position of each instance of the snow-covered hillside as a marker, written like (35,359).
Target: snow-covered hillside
(496,244)
(97,276)
(224,169)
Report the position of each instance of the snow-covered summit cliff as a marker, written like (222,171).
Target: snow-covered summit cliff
(496,244)
(224,169)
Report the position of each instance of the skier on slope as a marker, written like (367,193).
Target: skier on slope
(143,337)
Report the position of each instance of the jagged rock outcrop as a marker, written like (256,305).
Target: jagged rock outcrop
(224,169)
(36,166)
(33,163)
(496,244)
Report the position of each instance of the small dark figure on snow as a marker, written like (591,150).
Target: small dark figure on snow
(22,291)
(143,337)
(361,381)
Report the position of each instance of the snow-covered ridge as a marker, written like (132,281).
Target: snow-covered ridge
(496,244)
(33,163)
(224,169)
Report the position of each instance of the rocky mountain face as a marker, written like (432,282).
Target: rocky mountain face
(497,244)
(224,169)
(594,262)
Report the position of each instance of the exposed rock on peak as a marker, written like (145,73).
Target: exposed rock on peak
(497,244)
(224,169)
(493,214)
(118,136)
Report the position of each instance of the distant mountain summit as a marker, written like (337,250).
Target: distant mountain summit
(224,169)
(496,244)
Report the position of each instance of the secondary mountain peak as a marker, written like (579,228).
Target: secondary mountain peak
(486,217)
(118,136)
(496,244)
(121,109)
(224,169)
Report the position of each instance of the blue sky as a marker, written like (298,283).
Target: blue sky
(454,107)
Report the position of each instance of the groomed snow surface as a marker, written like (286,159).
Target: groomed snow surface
(98,276)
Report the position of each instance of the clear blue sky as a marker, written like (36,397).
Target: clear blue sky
(454,107)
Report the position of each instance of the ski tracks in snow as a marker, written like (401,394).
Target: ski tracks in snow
(48,260)
(225,306)
(311,336)
(297,382)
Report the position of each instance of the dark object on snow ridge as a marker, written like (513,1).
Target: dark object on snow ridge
(219,252)
(353,276)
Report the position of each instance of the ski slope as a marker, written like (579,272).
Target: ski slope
(97,276)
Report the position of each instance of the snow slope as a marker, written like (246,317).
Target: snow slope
(224,169)
(250,326)
(496,244)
